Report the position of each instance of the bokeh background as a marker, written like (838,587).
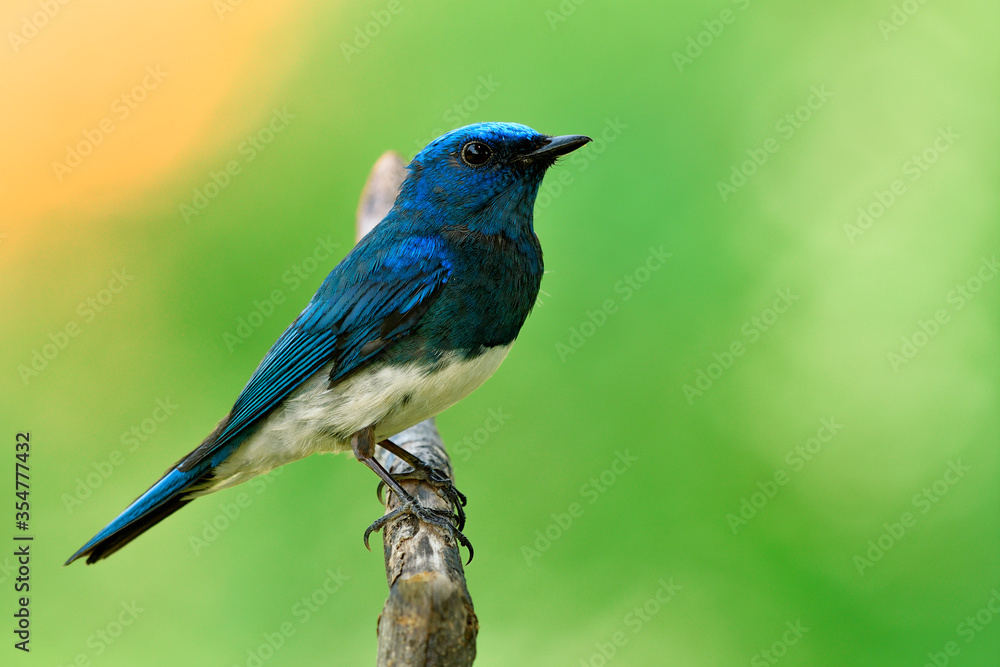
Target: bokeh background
(827,496)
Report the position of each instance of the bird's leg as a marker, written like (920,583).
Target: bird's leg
(425,473)
(363,445)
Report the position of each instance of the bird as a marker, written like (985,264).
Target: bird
(415,317)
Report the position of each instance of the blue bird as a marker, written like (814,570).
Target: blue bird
(421,312)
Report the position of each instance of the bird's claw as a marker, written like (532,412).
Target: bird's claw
(439,480)
(435,517)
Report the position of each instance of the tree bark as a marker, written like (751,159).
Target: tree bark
(428,619)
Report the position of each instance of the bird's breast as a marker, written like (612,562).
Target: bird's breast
(489,294)
(411,393)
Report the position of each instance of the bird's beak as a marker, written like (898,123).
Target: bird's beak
(557,146)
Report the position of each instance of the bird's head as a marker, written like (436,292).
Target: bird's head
(488,173)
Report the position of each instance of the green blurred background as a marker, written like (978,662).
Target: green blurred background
(768,535)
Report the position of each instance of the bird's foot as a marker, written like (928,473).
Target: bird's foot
(422,472)
(436,478)
(434,517)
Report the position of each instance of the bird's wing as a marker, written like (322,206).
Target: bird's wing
(370,300)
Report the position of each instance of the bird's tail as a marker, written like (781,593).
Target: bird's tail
(188,478)
(172,492)
(160,501)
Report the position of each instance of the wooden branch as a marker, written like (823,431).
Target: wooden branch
(428,619)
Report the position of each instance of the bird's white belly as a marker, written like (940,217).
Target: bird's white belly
(317,418)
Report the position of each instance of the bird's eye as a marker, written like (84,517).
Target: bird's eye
(476,153)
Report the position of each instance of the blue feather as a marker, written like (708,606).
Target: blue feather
(455,267)
(169,486)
